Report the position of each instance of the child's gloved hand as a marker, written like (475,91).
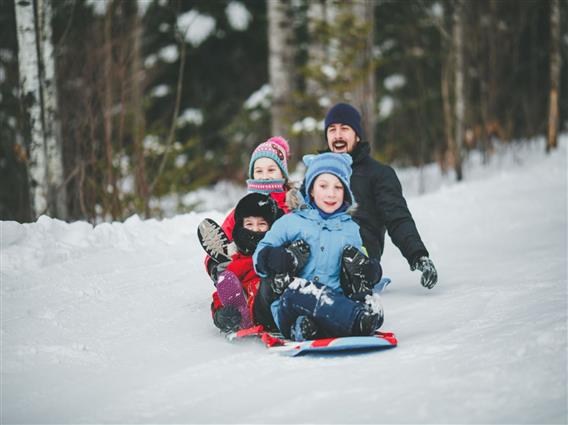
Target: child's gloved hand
(429,273)
(279,283)
(276,260)
(284,259)
(359,272)
(227,318)
(300,252)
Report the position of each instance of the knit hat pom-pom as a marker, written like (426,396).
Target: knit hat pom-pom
(282,142)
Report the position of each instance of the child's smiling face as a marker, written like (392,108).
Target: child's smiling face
(328,192)
(266,169)
(256,224)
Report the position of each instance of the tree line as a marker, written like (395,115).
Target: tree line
(109,106)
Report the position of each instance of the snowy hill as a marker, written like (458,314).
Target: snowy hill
(111,324)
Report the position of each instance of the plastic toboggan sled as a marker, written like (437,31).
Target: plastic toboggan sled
(280,345)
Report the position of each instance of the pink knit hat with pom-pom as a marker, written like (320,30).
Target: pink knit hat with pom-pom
(275,148)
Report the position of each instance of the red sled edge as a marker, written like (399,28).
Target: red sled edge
(293,348)
(267,338)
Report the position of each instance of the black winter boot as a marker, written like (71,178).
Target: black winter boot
(367,323)
(303,329)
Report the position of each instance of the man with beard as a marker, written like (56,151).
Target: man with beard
(377,190)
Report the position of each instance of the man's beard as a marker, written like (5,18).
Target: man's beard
(339,145)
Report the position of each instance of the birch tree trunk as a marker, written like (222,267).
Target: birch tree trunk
(31,97)
(459,95)
(365,90)
(51,127)
(281,64)
(555,59)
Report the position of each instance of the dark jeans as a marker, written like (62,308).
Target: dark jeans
(332,311)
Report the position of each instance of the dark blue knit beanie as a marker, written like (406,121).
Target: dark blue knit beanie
(343,113)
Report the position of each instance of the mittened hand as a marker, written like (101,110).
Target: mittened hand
(279,283)
(429,273)
(284,260)
(300,251)
(275,260)
(360,272)
(358,264)
(227,319)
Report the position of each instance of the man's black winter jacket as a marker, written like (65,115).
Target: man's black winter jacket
(381,207)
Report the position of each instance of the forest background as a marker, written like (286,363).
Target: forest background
(108,107)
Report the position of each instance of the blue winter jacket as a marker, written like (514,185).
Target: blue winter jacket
(326,237)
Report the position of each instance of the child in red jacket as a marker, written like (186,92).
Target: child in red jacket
(268,174)
(253,217)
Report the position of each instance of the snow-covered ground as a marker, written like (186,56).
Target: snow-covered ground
(111,324)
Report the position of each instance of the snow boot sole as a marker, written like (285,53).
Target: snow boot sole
(214,240)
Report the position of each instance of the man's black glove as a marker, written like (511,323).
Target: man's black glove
(228,318)
(359,272)
(429,273)
(284,259)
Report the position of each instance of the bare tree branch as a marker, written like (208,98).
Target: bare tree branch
(171,133)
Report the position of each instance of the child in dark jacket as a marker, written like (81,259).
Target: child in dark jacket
(254,215)
(319,244)
(268,174)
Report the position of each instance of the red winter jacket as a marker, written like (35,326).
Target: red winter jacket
(229,223)
(241,265)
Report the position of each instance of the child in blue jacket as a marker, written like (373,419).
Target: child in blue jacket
(320,245)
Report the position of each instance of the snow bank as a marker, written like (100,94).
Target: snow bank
(48,241)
